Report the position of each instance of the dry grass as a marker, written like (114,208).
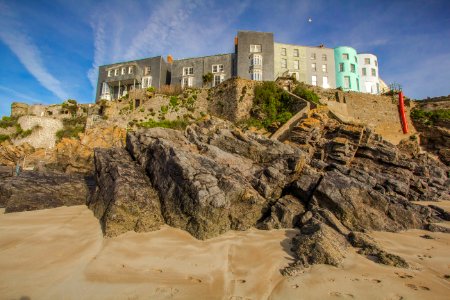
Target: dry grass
(169,90)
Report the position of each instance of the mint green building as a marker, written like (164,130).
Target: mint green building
(347,75)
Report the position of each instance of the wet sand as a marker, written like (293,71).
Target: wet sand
(61,254)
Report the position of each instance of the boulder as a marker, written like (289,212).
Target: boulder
(124,199)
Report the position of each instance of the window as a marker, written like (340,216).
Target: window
(109,73)
(345,56)
(296,52)
(364,72)
(352,68)
(347,84)
(341,67)
(378,88)
(313,67)
(219,78)
(324,57)
(357,84)
(130,70)
(116,72)
(314,80)
(188,71)
(367,61)
(283,63)
(217,68)
(187,82)
(296,65)
(374,72)
(356,59)
(256,60)
(283,51)
(105,88)
(147,70)
(146,82)
(324,68)
(257,75)
(325,83)
(313,56)
(376,63)
(123,71)
(255,48)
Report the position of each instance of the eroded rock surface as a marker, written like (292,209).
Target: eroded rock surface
(33,191)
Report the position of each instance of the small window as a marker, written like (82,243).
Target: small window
(130,70)
(283,51)
(217,68)
(146,82)
(147,71)
(256,60)
(116,72)
(356,59)
(345,56)
(296,54)
(283,63)
(257,75)
(347,83)
(255,48)
(123,71)
(105,88)
(325,83)
(109,73)
(352,68)
(313,67)
(376,63)
(313,56)
(187,82)
(367,61)
(341,67)
(357,84)
(324,69)
(296,65)
(219,78)
(314,80)
(324,57)
(188,71)
(374,72)
(364,72)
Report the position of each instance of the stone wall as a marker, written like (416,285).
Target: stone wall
(44,131)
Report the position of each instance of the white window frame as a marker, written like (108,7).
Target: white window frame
(284,63)
(256,75)
(367,61)
(255,48)
(314,80)
(349,85)
(256,60)
(146,82)
(313,55)
(188,71)
(217,68)
(110,73)
(283,51)
(187,81)
(296,65)
(123,71)
(325,83)
(296,53)
(147,70)
(130,70)
(313,66)
(116,72)
(324,57)
(345,56)
(324,68)
(218,79)
(105,88)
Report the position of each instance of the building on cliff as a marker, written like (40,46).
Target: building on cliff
(257,57)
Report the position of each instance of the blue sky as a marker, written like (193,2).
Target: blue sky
(50,50)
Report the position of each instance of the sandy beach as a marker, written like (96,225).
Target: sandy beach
(61,254)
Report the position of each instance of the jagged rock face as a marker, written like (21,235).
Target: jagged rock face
(124,199)
(213,178)
(33,191)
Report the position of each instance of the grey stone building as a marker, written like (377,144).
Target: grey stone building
(320,67)
(255,55)
(115,80)
(189,72)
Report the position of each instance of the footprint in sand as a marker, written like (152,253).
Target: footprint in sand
(404,275)
(295,286)
(338,294)
(157,270)
(195,280)
(376,280)
(425,288)
(412,286)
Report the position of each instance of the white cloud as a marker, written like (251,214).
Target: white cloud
(27,52)
(17,95)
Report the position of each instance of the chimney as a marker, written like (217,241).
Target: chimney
(169,59)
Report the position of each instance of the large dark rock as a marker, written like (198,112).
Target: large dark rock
(33,191)
(124,199)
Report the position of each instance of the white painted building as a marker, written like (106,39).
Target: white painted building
(368,71)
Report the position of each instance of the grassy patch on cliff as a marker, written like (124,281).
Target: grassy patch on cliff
(72,128)
(6,122)
(176,124)
(431,117)
(302,91)
(272,107)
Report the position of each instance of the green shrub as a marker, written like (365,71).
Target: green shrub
(8,122)
(4,137)
(302,91)
(177,124)
(151,89)
(173,102)
(70,133)
(431,117)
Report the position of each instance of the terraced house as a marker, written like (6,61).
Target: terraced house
(256,57)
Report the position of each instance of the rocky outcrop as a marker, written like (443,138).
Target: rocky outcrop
(32,191)
(124,199)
